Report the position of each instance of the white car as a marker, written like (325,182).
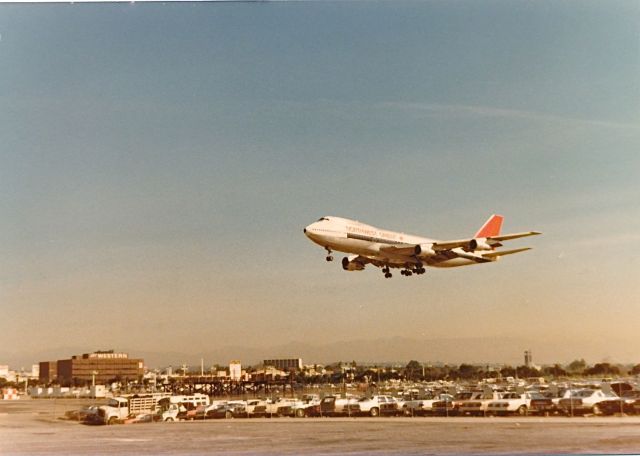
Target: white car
(585,400)
(478,405)
(256,408)
(305,406)
(510,403)
(375,406)
(279,406)
(422,407)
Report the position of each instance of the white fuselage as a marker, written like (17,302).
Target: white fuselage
(350,236)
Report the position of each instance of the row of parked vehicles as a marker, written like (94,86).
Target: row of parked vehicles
(485,402)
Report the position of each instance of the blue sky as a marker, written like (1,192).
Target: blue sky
(161,160)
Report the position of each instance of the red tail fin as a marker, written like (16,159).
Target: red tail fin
(491,227)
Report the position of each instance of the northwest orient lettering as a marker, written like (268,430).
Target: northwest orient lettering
(361,230)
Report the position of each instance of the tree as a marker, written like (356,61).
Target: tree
(412,368)
(603,369)
(577,366)
(467,371)
(508,371)
(554,371)
(635,370)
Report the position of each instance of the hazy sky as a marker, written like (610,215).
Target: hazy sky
(159,161)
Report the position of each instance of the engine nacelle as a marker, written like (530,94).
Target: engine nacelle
(350,264)
(479,244)
(425,250)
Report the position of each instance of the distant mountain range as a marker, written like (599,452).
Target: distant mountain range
(475,350)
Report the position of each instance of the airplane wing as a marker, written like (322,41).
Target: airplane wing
(399,249)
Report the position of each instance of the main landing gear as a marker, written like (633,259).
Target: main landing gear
(329,257)
(387,272)
(418,270)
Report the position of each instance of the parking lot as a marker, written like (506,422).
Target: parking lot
(29,427)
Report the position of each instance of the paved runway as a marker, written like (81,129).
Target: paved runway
(34,427)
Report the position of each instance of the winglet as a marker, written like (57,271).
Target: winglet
(491,227)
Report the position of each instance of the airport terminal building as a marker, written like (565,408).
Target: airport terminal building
(105,366)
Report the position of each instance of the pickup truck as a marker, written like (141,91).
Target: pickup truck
(120,408)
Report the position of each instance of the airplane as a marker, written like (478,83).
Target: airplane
(386,249)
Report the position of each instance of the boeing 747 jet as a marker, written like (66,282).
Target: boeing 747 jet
(386,249)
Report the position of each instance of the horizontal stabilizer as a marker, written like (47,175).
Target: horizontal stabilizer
(504,252)
(507,237)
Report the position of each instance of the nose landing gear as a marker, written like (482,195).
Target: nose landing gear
(387,272)
(329,257)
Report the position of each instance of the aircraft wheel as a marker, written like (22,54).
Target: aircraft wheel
(329,258)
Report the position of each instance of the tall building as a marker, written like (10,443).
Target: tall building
(284,364)
(235,370)
(528,358)
(105,366)
(48,371)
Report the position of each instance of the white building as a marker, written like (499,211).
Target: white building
(235,370)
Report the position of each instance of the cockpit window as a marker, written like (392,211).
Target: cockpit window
(323,218)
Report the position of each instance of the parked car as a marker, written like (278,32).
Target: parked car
(424,406)
(479,404)
(256,408)
(548,402)
(331,406)
(82,413)
(279,405)
(374,406)
(235,409)
(202,412)
(449,406)
(510,403)
(305,406)
(628,403)
(585,401)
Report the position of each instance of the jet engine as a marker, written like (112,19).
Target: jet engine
(425,250)
(479,244)
(351,264)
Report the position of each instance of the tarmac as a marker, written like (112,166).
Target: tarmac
(37,427)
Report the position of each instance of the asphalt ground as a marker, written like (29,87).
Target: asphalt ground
(37,427)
